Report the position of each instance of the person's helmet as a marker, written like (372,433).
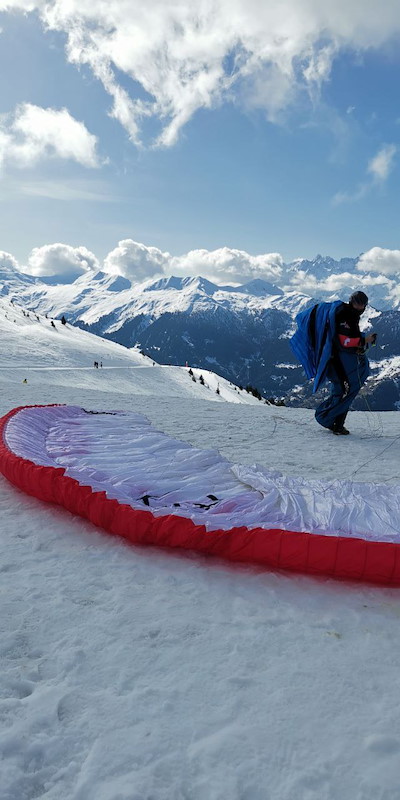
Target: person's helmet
(360,298)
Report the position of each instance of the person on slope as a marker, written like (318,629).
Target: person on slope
(348,367)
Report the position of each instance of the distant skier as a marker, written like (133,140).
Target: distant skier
(330,346)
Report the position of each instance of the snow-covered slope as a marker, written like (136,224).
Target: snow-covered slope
(32,344)
(132,673)
(29,339)
(12,281)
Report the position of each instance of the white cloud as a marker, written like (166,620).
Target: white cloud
(379,288)
(8,261)
(21,5)
(61,260)
(375,280)
(382,164)
(135,261)
(36,133)
(302,281)
(190,55)
(227,265)
(319,65)
(378,259)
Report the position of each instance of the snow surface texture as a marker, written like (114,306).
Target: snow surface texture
(135,674)
(122,454)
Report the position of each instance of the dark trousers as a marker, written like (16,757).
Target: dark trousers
(334,409)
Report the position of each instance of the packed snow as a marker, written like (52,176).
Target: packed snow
(138,674)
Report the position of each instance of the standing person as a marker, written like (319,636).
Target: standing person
(330,346)
(348,367)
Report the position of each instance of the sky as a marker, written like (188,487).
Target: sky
(188,126)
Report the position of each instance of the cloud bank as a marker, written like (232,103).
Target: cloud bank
(188,56)
(137,262)
(377,271)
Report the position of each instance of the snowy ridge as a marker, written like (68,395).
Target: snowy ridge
(93,297)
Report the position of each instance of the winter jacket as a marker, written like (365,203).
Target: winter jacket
(349,336)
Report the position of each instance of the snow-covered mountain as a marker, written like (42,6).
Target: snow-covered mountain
(322,276)
(108,301)
(240,332)
(12,281)
(322,267)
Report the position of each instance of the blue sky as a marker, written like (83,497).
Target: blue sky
(299,155)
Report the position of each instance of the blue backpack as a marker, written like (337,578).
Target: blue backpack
(312,344)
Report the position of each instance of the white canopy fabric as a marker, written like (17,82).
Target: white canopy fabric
(122,454)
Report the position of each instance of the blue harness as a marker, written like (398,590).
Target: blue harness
(312,344)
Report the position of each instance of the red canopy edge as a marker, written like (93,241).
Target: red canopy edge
(332,556)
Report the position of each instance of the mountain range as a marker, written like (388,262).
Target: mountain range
(240,332)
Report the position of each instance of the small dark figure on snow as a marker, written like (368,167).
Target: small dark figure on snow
(63,320)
